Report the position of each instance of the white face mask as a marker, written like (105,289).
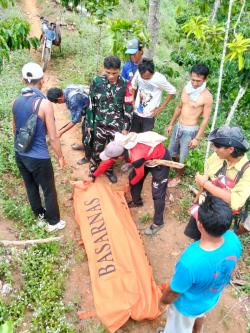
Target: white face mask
(193,93)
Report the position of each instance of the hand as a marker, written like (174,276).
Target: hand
(200,180)
(169,130)
(88,180)
(61,162)
(124,132)
(59,134)
(193,143)
(89,130)
(156,111)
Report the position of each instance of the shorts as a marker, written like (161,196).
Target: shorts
(246,223)
(178,323)
(180,139)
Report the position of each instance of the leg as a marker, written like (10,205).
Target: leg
(198,325)
(174,151)
(136,189)
(148,124)
(177,322)
(25,165)
(185,140)
(44,176)
(191,229)
(99,141)
(159,188)
(136,125)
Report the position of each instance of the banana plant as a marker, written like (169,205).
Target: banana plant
(237,49)
(7,327)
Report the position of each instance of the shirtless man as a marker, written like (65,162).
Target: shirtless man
(196,102)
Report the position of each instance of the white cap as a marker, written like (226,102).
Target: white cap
(32,71)
(113,149)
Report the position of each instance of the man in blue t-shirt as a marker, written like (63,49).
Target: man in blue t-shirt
(135,52)
(203,270)
(77,101)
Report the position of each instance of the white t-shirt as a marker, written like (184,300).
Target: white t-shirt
(149,93)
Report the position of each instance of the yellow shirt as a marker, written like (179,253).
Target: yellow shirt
(241,192)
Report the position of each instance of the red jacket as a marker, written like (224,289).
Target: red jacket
(140,151)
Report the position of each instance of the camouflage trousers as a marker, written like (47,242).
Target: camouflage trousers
(103,135)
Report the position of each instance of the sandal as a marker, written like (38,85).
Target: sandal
(160,330)
(153,229)
(76,146)
(173,182)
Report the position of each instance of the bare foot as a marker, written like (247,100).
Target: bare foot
(173,182)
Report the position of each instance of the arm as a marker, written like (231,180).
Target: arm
(206,115)
(65,128)
(218,192)
(164,85)
(176,115)
(168,295)
(104,166)
(47,109)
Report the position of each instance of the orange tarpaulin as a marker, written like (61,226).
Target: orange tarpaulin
(122,280)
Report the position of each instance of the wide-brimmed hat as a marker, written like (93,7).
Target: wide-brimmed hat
(229,137)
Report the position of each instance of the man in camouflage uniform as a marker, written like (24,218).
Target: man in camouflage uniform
(110,110)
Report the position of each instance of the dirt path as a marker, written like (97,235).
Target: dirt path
(162,249)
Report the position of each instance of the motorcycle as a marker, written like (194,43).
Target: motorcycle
(51,35)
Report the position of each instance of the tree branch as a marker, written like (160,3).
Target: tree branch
(30,241)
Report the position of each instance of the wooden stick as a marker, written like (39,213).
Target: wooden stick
(30,241)
(171,164)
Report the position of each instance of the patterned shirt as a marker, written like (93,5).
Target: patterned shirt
(108,107)
(76,104)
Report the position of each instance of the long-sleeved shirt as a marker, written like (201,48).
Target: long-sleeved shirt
(76,104)
(140,152)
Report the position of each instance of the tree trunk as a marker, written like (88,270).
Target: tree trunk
(221,71)
(153,26)
(231,113)
(217,4)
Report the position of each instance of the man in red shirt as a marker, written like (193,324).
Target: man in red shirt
(137,154)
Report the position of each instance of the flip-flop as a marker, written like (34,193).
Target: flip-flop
(76,146)
(173,182)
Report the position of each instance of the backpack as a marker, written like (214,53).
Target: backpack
(25,135)
(77,89)
(241,215)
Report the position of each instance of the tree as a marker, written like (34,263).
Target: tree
(14,33)
(153,26)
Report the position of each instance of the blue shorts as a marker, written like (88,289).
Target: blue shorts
(180,139)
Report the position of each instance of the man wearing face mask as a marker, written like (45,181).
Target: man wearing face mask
(110,110)
(135,52)
(196,103)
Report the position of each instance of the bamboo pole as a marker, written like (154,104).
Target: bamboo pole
(221,72)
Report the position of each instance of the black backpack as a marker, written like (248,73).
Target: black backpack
(25,134)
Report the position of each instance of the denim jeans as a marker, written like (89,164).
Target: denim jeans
(39,172)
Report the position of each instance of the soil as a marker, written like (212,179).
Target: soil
(162,250)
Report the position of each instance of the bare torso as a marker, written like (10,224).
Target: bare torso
(191,111)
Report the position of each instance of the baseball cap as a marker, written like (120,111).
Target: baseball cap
(229,137)
(32,71)
(113,149)
(132,46)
